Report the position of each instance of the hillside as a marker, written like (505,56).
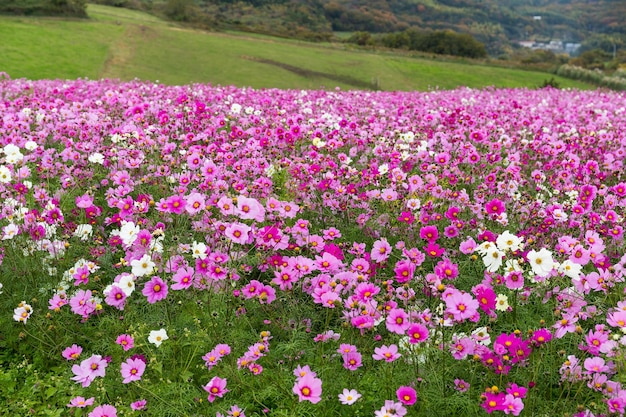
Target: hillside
(123,44)
(499,24)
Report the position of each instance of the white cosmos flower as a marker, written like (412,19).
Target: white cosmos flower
(570,269)
(128,233)
(508,241)
(481,336)
(541,262)
(143,266)
(502,302)
(12,153)
(349,397)
(198,250)
(83,231)
(493,259)
(127,284)
(10,231)
(96,158)
(5,175)
(157,337)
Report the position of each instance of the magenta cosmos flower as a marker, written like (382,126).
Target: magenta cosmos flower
(406,395)
(216,388)
(155,290)
(126,341)
(308,388)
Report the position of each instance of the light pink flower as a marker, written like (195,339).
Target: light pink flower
(308,388)
(132,370)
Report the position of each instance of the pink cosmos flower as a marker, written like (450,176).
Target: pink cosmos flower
(365,291)
(89,369)
(194,203)
(155,290)
(138,405)
(72,353)
(249,209)
(494,206)
(406,395)
(267,294)
(462,347)
(406,217)
(327,336)
(417,333)
(352,361)
(433,250)
(82,303)
(104,410)
(176,204)
(302,371)
(461,385)
(132,370)
(595,365)
(391,408)
(81,402)
(308,388)
(238,232)
(512,405)
(397,321)
(84,201)
(429,233)
(486,298)
(516,391)
(126,341)
(461,306)
(404,271)
(386,353)
(541,336)
(236,411)
(381,250)
(81,276)
(216,388)
(116,297)
(183,278)
(468,246)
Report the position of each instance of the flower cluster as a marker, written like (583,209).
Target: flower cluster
(390,241)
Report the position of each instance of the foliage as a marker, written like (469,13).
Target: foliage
(437,42)
(550,83)
(73,8)
(592,76)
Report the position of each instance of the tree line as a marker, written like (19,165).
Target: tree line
(444,42)
(70,8)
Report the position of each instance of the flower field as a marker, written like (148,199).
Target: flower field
(218,251)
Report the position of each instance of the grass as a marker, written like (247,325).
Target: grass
(126,44)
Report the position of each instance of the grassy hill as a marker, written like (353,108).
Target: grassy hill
(125,44)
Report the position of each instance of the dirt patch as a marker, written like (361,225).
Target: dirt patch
(307,73)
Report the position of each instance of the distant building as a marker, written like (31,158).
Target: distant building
(556,46)
(536,17)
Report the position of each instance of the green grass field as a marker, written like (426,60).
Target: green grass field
(126,44)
